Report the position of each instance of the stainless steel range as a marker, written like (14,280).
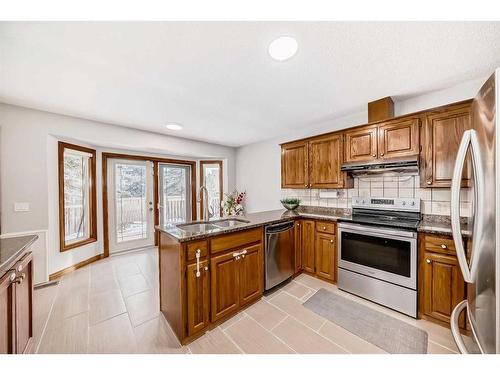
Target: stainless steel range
(377,252)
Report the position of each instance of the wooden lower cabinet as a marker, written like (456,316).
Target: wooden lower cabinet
(307,245)
(325,245)
(198,297)
(16,302)
(442,286)
(236,280)
(298,246)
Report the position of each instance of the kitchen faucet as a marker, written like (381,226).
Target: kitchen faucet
(206,211)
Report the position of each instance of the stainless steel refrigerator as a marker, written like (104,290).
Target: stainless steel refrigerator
(481,265)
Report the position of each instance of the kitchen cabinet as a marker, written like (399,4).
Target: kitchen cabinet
(361,144)
(224,288)
(442,133)
(16,303)
(295,165)
(298,246)
(307,246)
(250,274)
(198,297)
(398,138)
(390,139)
(441,284)
(314,163)
(325,249)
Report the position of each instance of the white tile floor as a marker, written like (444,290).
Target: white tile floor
(112,306)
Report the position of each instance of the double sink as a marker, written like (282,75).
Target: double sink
(208,226)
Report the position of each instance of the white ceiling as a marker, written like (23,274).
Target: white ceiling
(217,79)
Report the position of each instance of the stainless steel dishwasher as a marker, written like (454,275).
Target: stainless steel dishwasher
(279,260)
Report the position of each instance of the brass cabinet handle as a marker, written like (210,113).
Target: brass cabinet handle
(331,241)
(206,268)
(12,277)
(381,154)
(305,185)
(429,182)
(443,246)
(374,155)
(20,278)
(428,261)
(19,268)
(324,228)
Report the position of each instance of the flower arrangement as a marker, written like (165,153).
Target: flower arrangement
(232,204)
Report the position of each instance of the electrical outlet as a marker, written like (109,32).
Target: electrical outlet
(21,206)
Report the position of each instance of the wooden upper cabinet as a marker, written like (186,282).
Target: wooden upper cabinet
(398,138)
(295,165)
(250,274)
(442,133)
(326,154)
(361,144)
(198,297)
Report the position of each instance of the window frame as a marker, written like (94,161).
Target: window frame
(62,146)
(221,182)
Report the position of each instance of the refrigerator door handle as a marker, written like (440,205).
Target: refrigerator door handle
(469,137)
(455,331)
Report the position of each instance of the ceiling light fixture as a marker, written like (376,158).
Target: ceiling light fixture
(283,48)
(173,126)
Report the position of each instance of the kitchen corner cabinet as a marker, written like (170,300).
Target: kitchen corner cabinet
(314,163)
(390,139)
(442,133)
(16,302)
(441,284)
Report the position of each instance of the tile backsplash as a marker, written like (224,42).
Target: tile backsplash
(434,201)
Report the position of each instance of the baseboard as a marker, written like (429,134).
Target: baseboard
(58,274)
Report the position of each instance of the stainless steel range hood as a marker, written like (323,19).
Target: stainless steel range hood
(402,165)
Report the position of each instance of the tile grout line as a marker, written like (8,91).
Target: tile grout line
(231,339)
(441,345)
(281,321)
(242,313)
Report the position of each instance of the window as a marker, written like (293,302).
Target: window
(211,178)
(77,196)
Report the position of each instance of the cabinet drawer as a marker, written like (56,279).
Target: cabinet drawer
(440,244)
(193,246)
(325,227)
(235,240)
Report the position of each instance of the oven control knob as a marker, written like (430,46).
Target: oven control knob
(404,203)
(413,203)
(363,201)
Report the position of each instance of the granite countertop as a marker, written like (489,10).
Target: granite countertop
(432,224)
(439,224)
(11,248)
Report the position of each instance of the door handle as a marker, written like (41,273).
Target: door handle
(198,255)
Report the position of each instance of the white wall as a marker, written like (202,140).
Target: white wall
(258,165)
(28,168)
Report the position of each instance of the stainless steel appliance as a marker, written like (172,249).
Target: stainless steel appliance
(377,252)
(482,269)
(279,254)
(406,164)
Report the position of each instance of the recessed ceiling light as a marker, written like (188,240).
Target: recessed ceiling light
(283,48)
(173,126)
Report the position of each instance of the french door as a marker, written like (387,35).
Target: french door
(130,204)
(175,194)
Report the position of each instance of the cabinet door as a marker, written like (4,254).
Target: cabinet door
(443,132)
(224,285)
(325,255)
(308,260)
(7,313)
(295,165)
(24,304)
(250,274)
(398,138)
(361,144)
(326,154)
(443,286)
(298,245)
(198,297)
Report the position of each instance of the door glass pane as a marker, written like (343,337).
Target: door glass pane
(380,253)
(131,205)
(76,196)
(211,175)
(175,193)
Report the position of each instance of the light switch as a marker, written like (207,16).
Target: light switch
(21,206)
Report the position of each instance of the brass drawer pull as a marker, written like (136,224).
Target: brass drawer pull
(428,261)
(443,246)
(324,228)
(20,278)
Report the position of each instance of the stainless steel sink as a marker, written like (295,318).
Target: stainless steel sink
(197,227)
(228,223)
(204,226)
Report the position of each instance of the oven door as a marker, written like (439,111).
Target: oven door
(385,254)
